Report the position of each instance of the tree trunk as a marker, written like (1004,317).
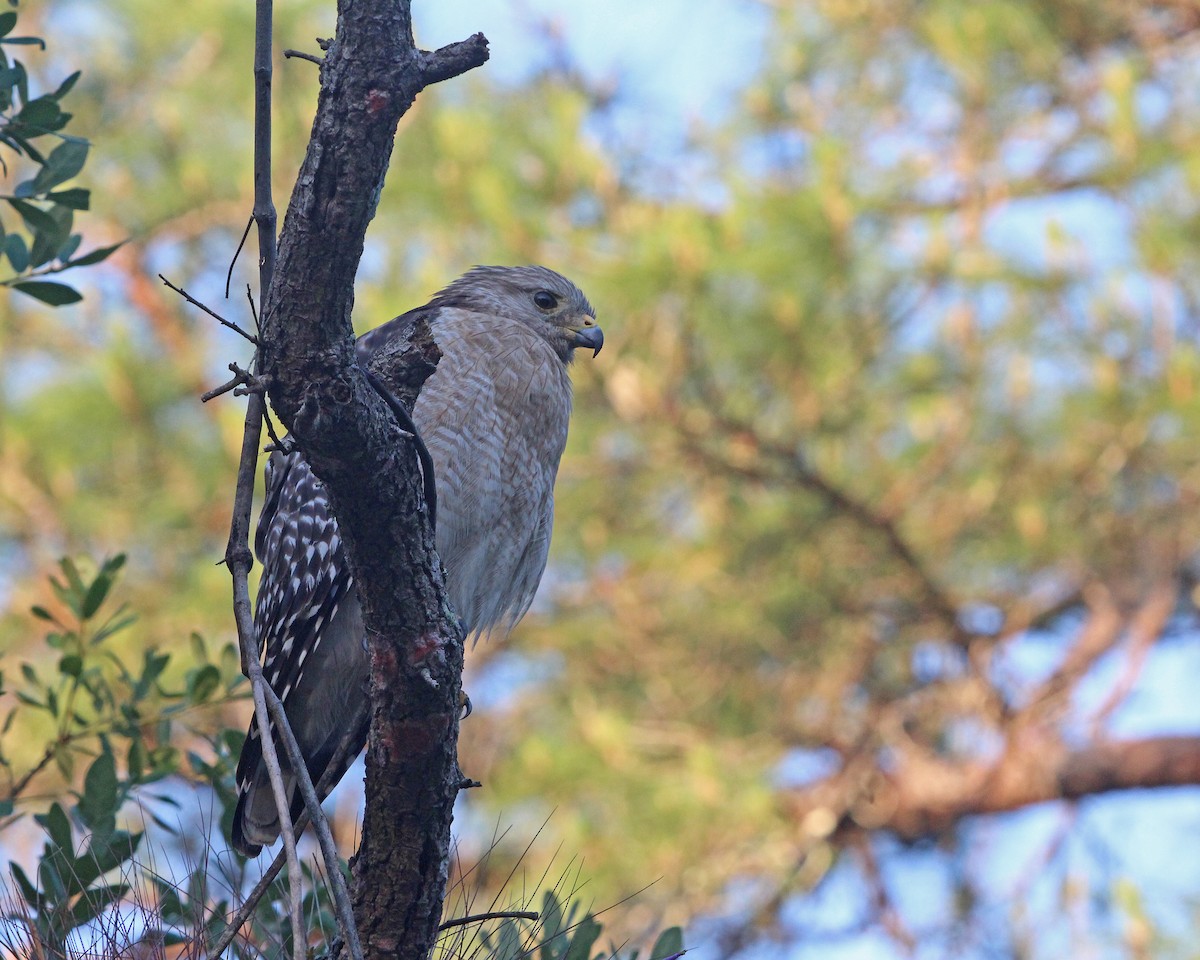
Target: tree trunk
(370,76)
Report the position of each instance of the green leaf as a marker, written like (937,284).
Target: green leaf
(7,22)
(114,625)
(58,826)
(509,946)
(71,665)
(105,853)
(42,614)
(65,87)
(54,294)
(22,85)
(68,248)
(28,890)
(113,564)
(96,593)
(586,934)
(64,759)
(153,664)
(95,902)
(668,945)
(36,219)
(95,256)
(100,796)
(47,243)
(42,115)
(77,198)
(203,683)
(9,77)
(63,163)
(555,943)
(136,760)
(17,252)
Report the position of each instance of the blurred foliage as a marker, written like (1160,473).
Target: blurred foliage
(901,370)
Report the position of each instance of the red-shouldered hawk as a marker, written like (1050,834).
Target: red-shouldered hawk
(494,417)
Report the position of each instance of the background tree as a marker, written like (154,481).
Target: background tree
(878,515)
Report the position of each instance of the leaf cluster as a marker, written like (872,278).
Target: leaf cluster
(117,716)
(45,210)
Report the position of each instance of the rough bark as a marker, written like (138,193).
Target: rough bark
(370,75)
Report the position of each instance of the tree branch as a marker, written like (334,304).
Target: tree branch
(920,801)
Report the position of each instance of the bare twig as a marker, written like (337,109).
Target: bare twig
(483,917)
(212,313)
(301,55)
(242,384)
(276,443)
(253,308)
(282,805)
(312,805)
(236,254)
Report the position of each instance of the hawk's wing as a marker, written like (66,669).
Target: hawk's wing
(304,577)
(304,581)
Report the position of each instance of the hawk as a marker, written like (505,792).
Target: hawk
(494,417)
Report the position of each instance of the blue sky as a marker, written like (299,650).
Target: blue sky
(671,61)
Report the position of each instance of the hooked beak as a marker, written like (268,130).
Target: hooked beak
(589,336)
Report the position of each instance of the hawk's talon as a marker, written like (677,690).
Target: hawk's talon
(465,705)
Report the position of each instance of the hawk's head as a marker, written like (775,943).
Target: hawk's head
(546,301)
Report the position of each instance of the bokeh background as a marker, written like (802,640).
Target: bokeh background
(870,624)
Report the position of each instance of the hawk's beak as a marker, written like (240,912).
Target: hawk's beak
(589,336)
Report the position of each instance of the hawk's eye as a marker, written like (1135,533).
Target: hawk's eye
(545,300)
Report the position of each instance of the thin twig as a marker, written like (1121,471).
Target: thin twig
(243,384)
(301,55)
(483,917)
(312,805)
(237,253)
(260,689)
(253,308)
(212,313)
(276,443)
